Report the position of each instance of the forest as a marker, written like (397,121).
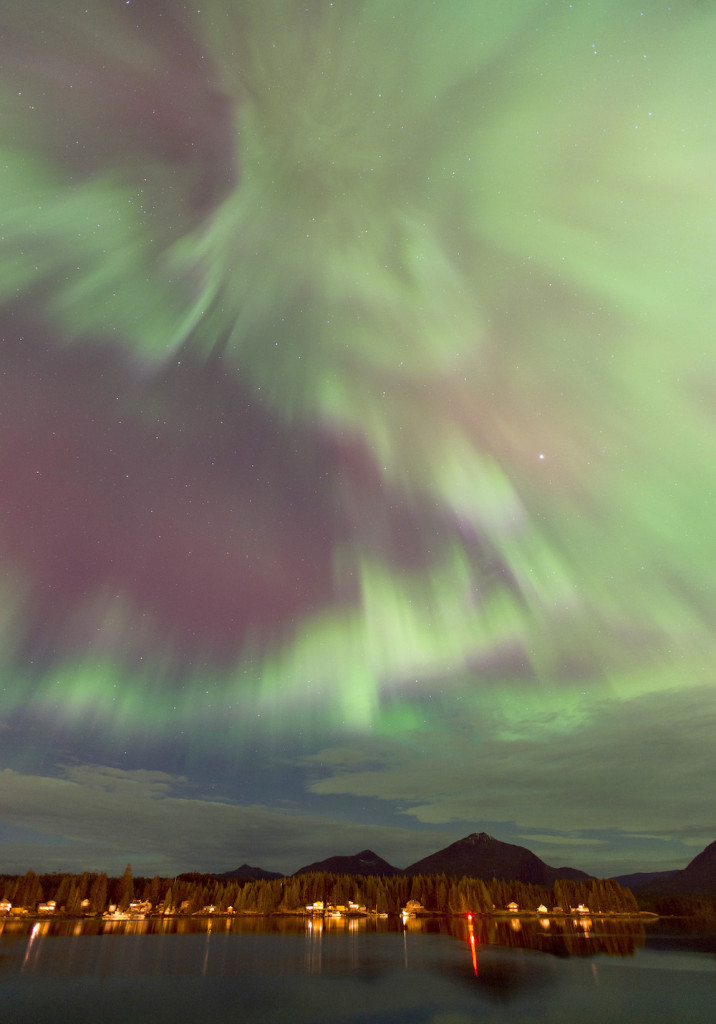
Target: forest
(95,894)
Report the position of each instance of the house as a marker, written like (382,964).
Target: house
(541,909)
(315,908)
(512,907)
(5,906)
(413,907)
(139,907)
(580,909)
(47,908)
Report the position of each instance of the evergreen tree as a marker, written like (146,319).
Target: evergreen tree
(612,895)
(28,892)
(269,895)
(126,889)
(231,895)
(368,891)
(416,889)
(63,890)
(562,895)
(381,897)
(168,903)
(197,900)
(248,900)
(441,894)
(482,898)
(74,898)
(98,894)
(290,897)
(155,888)
(337,895)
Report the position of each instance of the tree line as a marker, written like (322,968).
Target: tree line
(93,893)
(681,906)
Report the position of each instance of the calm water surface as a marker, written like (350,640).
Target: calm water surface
(278,970)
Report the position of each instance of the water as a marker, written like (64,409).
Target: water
(274,970)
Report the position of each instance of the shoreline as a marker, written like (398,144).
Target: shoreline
(246,914)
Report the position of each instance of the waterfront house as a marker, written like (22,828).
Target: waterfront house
(413,907)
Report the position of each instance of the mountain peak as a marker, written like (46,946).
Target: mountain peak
(364,863)
(248,873)
(480,855)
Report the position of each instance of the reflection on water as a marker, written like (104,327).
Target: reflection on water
(570,936)
(345,970)
(472,940)
(37,930)
(560,936)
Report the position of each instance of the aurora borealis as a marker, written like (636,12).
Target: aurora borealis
(357,433)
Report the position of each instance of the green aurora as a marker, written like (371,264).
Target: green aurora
(397,320)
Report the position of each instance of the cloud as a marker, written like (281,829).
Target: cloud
(617,791)
(561,840)
(632,766)
(102,818)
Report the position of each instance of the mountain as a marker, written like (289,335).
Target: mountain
(639,878)
(698,878)
(364,863)
(700,873)
(246,873)
(481,856)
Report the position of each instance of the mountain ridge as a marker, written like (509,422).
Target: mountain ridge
(698,878)
(637,879)
(245,872)
(480,855)
(364,863)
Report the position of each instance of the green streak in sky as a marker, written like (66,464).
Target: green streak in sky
(477,242)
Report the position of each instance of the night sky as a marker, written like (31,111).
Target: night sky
(357,431)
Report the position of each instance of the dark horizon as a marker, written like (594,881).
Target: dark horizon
(312,866)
